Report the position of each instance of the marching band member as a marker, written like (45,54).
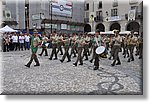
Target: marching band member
(44,47)
(66,48)
(86,47)
(107,41)
(73,45)
(112,42)
(98,42)
(126,45)
(141,46)
(60,43)
(92,48)
(80,49)
(34,47)
(54,40)
(116,48)
(132,43)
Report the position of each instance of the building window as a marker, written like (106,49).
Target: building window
(133,7)
(99,14)
(114,12)
(100,5)
(3,2)
(3,13)
(87,6)
(86,14)
(93,6)
(115,3)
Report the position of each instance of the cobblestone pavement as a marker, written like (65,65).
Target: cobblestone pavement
(54,77)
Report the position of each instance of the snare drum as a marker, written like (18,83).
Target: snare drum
(102,52)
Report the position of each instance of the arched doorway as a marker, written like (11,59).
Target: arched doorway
(3,25)
(133,26)
(87,28)
(100,27)
(115,26)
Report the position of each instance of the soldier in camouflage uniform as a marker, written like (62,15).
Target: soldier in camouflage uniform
(141,46)
(34,48)
(80,49)
(132,43)
(116,48)
(54,40)
(60,43)
(98,42)
(73,45)
(44,47)
(86,47)
(66,48)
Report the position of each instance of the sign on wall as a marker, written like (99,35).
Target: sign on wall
(113,18)
(63,26)
(91,16)
(38,16)
(62,8)
(7,14)
(131,15)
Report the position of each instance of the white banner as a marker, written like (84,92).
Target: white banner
(114,18)
(62,8)
(38,16)
(63,26)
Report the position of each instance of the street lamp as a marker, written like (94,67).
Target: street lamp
(27,19)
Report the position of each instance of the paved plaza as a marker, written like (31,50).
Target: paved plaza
(54,77)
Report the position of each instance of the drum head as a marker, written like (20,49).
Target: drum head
(100,50)
(46,44)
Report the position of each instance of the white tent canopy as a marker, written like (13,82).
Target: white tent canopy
(7,29)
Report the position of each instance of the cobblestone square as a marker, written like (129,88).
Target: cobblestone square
(54,77)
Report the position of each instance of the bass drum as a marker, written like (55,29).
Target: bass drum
(102,52)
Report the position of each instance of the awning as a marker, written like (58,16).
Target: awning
(10,22)
(44,21)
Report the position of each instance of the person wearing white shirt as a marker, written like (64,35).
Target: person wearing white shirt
(44,47)
(21,41)
(27,42)
(15,41)
(11,43)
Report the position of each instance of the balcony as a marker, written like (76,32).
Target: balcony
(98,19)
(86,20)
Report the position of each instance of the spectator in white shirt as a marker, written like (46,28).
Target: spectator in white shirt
(21,41)
(15,41)
(27,41)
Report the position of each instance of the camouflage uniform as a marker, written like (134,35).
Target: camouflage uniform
(54,46)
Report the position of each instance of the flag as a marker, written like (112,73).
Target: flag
(69,4)
(91,16)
